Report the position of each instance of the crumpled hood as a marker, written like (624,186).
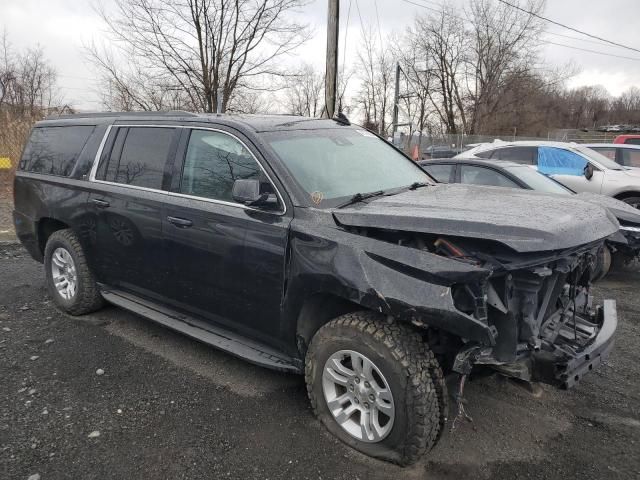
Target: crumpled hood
(622,211)
(521,219)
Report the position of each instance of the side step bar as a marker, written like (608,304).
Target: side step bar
(217,337)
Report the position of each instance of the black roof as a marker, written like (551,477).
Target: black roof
(258,123)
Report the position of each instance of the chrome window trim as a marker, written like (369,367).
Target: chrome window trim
(96,161)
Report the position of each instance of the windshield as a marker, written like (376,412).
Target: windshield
(332,165)
(538,181)
(598,157)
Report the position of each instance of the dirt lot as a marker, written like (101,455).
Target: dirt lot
(169,407)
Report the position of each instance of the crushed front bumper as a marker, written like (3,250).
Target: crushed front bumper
(566,366)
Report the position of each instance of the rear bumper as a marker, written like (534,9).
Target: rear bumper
(566,370)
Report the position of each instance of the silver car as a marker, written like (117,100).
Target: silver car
(576,166)
(623,154)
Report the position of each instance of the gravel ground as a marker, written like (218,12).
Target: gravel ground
(110,395)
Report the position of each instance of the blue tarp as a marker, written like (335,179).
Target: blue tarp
(557,161)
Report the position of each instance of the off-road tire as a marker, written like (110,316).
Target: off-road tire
(411,369)
(87,297)
(603,263)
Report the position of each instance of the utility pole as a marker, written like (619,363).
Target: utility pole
(396,103)
(331,73)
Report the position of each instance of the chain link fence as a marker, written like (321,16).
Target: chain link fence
(13,135)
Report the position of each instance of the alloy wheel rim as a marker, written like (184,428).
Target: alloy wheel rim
(358,396)
(63,273)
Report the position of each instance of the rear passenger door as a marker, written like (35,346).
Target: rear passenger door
(126,205)
(227,260)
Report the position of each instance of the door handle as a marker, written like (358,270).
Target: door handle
(100,203)
(180,222)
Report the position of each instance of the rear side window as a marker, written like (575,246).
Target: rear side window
(632,141)
(522,155)
(138,157)
(54,150)
(441,173)
(484,176)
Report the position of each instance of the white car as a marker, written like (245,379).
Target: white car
(576,166)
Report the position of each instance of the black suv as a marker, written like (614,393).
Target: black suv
(314,246)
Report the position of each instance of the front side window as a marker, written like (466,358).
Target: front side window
(333,164)
(484,176)
(557,161)
(215,160)
(54,150)
(138,156)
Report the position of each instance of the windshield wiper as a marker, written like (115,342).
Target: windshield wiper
(359,197)
(416,185)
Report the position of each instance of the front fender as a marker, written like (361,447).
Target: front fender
(409,284)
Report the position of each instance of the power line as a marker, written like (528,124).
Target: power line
(346,33)
(546,19)
(541,41)
(590,51)
(375,2)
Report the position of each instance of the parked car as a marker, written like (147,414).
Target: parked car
(440,151)
(627,139)
(627,155)
(314,246)
(574,165)
(502,173)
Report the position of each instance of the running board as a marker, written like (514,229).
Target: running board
(217,337)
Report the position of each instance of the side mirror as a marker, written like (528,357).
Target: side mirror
(247,192)
(588,171)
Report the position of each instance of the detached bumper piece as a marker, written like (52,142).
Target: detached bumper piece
(580,346)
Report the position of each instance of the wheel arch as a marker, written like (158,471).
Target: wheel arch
(317,310)
(626,194)
(46,227)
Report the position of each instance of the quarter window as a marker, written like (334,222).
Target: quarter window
(214,160)
(54,150)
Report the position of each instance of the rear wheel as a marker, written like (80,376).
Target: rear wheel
(69,279)
(376,386)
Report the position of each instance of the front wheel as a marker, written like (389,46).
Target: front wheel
(633,201)
(377,387)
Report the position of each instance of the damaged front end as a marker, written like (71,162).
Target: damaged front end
(548,329)
(536,307)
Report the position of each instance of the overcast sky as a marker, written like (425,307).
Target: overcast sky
(62,26)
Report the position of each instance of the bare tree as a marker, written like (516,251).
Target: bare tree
(504,46)
(194,47)
(304,92)
(27,81)
(440,45)
(376,75)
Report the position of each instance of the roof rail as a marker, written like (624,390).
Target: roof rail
(167,113)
